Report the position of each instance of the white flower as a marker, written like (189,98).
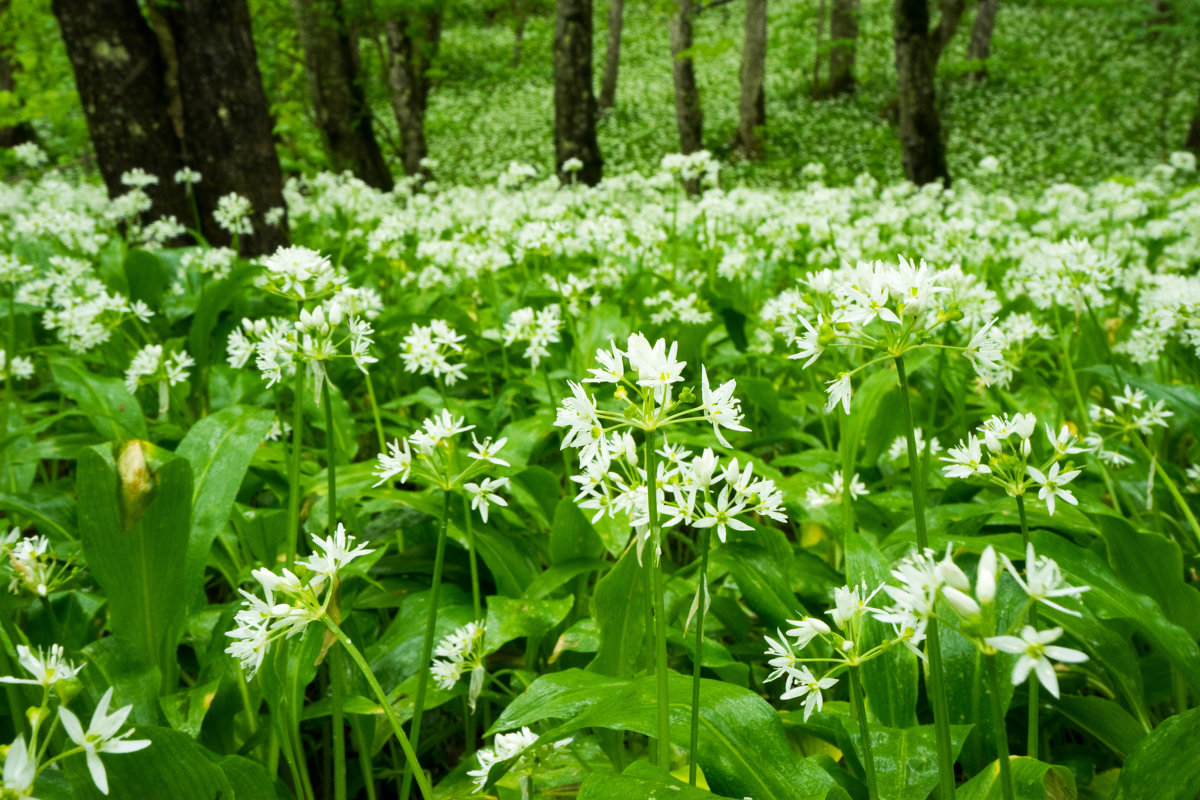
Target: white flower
(187,176)
(839,391)
(101,736)
(233,214)
(720,408)
(1036,651)
(45,669)
(965,460)
(333,554)
(484,493)
(809,687)
(1043,580)
(20,769)
(486,451)
(396,461)
(722,515)
(1052,484)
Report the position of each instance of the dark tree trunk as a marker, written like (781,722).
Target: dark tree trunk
(816,68)
(337,95)
(752,113)
(574,101)
(612,55)
(1193,137)
(412,45)
(920,128)
(689,118)
(21,132)
(980,47)
(843,45)
(225,119)
(119,72)
(519,37)
(952,11)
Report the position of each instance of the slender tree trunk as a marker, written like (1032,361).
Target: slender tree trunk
(920,128)
(612,55)
(752,114)
(980,47)
(952,11)
(816,69)
(1193,137)
(412,44)
(21,132)
(689,118)
(843,44)
(225,119)
(574,100)
(333,83)
(519,33)
(119,74)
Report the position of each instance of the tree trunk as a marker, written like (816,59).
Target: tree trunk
(920,128)
(412,44)
(119,73)
(225,119)
(519,37)
(574,101)
(612,55)
(981,34)
(689,118)
(1193,137)
(843,44)
(21,132)
(337,95)
(952,11)
(752,114)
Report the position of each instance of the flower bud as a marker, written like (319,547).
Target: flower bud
(962,602)
(985,579)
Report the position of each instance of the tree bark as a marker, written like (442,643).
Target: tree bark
(342,114)
(952,11)
(924,155)
(980,47)
(752,114)
(225,119)
(119,74)
(574,100)
(1193,138)
(689,117)
(412,45)
(612,55)
(843,45)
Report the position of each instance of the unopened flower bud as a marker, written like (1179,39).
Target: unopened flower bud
(962,602)
(985,579)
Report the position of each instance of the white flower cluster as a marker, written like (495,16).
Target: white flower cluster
(426,350)
(35,569)
(508,746)
(1006,441)
(151,366)
(19,368)
(538,328)
(21,766)
(459,653)
(672,308)
(298,273)
(233,214)
(898,451)
(300,600)
(77,305)
(700,165)
(833,491)
(214,261)
(1132,412)
(431,454)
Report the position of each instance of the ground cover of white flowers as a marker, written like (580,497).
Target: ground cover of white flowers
(529,491)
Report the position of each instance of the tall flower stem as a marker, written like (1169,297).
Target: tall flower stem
(10,354)
(1032,737)
(426,652)
(864,730)
(1172,487)
(846,446)
(375,414)
(654,564)
(408,747)
(336,676)
(999,734)
(294,466)
(936,683)
(476,597)
(698,659)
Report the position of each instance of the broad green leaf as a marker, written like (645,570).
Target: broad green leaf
(744,751)
(536,490)
(619,609)
(397,653)
(219,449)
(511,618)
(761,578)
(173,764)
(639,781)
(147,277)
(890,681)
(134,530)
(249,778)
(557,695)
(1032,780)
(561,573)
(111,409)
(53,513)
(122,666)
(212,303)
(1166,765)
(571,535)
(1103,719)
(906,758)
(1153,565)
(185,711)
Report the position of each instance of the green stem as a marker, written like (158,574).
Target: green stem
(375,414)
(864,730)
(294,467)
(364,759)
(1069,367)
(1172,488)
(426,651)
(698,659)
(999,735)
(330,461)
(397,729)
(476,599)
(336,676)
(935,683)
(654,564)
(847,447)
(8,385)
(1031,742)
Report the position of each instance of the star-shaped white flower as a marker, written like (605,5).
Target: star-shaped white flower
(101,736)
(1036,651)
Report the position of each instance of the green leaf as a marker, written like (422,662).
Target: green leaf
(571,535)
(219,449)
(140,565)
(619,609)
(185,711)
(122,666)
(249,777)
(1166,765)
(890,681)
(761,578)
(744,751)
(1104,719)
(172,763)
(906,758)
(1032,780)
(147,277)
(111,409)
(397,653)
(212,303)
(511,618)
(536,490)
(639,781)
(1153,565)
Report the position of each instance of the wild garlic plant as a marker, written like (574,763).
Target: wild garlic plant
(522,749)
(57,677)
(151,366)
(434,456)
